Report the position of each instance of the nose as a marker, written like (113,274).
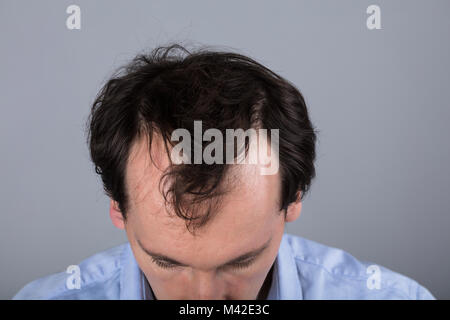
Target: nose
(207,286)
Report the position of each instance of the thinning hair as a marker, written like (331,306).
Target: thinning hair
(170,87)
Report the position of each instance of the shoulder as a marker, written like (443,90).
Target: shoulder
(330,273)
(95,274)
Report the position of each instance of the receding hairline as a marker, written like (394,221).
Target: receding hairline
(156,148)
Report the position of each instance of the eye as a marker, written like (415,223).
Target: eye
(242,265)
(162,264)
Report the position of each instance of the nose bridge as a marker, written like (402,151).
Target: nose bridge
(207,285)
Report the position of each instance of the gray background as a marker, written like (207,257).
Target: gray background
(380,99)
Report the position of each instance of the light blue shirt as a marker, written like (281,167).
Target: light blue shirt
(303,269)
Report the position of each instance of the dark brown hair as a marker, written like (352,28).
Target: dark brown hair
(171,87)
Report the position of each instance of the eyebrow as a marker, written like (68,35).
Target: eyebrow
(243,257)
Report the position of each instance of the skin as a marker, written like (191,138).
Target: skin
(247,219)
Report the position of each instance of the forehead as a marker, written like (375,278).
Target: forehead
(249,208)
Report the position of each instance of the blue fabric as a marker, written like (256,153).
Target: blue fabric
(303,269)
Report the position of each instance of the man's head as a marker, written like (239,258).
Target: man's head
(200,231)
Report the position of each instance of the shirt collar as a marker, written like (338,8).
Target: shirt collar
(132,280)
(285,279)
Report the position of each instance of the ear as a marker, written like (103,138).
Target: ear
(294,209)
(116,215)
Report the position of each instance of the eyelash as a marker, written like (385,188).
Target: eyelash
(242,265)
(163,264)
(239,265)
